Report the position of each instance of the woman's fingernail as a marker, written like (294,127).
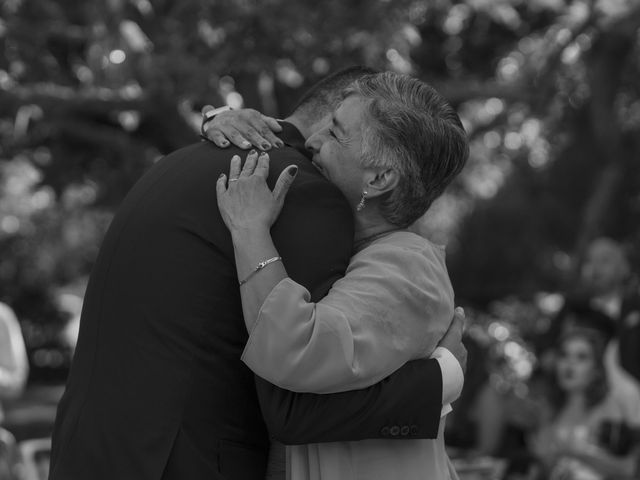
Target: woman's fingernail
(246,144)
(279,143)
(221,176)
(460,311)
(266,146)
(252,152)
(293,171)
(264,154)
(224,143)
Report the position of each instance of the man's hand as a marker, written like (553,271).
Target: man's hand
(452,340)
(243,128)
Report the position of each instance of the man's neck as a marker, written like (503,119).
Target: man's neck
(305,125)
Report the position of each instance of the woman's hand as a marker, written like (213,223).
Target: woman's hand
(243,128)
(246,203)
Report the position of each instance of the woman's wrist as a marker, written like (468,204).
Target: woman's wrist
(245,233)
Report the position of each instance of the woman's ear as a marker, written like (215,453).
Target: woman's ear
(380,182)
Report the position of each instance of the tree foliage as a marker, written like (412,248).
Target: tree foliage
(92,93)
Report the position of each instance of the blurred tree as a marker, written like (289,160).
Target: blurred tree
(550,95)
(91,93)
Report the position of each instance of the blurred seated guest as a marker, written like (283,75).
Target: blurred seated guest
(503,415)
(578,402)
(7,454)
(14,366)
(607,299)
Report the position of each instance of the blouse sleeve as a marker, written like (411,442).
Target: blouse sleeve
(393,305)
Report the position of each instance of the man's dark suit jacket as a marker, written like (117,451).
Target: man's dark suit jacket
(157,389)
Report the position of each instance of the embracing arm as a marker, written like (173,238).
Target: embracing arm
(409,400)
(314,234)
(392,306)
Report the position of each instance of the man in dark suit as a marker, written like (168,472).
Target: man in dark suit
(157,389)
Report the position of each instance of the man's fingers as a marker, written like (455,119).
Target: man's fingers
(456,327)
(459,317)
(283,183)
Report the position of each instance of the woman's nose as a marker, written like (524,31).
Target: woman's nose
(313,143)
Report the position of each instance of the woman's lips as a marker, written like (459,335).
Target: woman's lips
(320,169)
(567,374)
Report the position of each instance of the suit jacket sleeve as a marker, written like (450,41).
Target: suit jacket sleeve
(411,397)
(316,254)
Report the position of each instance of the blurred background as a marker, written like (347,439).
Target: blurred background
(93,92)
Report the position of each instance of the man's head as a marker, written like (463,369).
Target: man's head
(323,97)
(405,148)
(606,266)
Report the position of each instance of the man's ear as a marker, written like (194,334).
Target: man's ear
(381,181)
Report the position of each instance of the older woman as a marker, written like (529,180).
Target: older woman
(392,147)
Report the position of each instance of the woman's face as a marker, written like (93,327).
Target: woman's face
(336,148)
(576,365)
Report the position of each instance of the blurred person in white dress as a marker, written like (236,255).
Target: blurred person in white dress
(14,365)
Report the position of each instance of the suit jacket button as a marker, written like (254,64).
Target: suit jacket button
(384,432)
(394,431)
(414,430)
(404,431)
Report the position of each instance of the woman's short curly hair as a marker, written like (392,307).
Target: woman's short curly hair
(412,129)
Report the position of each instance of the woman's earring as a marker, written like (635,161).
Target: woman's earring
(362,200)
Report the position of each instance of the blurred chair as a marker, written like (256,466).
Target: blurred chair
(480,468)
(34,459)
(7,454)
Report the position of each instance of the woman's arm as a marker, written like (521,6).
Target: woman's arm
(410,397)
(383,313)
(250,228)
(390,308)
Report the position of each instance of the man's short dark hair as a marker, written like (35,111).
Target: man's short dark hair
(326,95)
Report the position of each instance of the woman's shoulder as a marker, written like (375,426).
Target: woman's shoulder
(404,240)
(404,255)
(401,248)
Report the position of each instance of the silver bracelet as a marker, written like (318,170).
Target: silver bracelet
(260,266)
